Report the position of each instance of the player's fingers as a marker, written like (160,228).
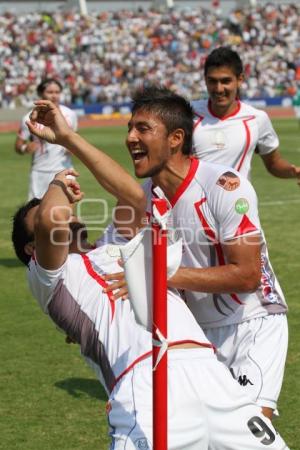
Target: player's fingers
(121,293)
(114,276)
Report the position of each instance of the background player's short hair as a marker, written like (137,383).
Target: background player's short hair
(20,233)
(45,83)
(172,109)
(224,56)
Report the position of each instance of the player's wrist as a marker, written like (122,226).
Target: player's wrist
(23,148)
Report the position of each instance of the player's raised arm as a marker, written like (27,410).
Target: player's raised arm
(52,219)
(108,172)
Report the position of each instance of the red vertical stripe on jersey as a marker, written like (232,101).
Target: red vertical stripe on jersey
(99,279)
(248,140)
(246,226)
(212,237)
(199,120)
(238,107)
(185,184)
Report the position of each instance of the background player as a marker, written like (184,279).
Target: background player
(47,159)
(229,131)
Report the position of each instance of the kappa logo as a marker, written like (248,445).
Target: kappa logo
(142,444)
(229,181)
(243,380)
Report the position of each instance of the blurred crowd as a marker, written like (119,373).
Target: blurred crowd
(104,56)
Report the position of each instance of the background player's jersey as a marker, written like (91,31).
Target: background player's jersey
(49,157)
(109,336)
(214,204)
(232,140)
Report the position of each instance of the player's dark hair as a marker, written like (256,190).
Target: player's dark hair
(20,233)
(172,109)
(224,56)
(45,83)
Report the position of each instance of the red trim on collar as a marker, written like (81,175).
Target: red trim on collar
(238,107)
(186,182)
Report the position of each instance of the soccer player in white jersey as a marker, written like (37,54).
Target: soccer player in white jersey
(47,159)
(227,277)
(208,410)
(227,130)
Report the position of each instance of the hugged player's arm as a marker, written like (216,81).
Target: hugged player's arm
(241,273)
(280,167)
(52,219)
(108,172)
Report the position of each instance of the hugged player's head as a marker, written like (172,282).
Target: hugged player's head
(22,233)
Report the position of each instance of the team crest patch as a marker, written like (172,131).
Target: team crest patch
(229,181)
(142,444)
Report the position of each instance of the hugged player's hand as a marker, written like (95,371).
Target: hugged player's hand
(117,285)
(67,180)
(54,129)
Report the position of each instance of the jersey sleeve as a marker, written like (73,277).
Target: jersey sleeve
(267,138)
(234,205)
(43,282)
(74,122)
(24,132)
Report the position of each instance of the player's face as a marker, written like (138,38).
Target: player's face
(222,86)
(52,93)
(148,144)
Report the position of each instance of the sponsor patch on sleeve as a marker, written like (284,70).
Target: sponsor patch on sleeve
(241,206)
(229,181)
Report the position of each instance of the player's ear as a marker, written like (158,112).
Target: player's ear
(240,79)
(29,248)
(176,139)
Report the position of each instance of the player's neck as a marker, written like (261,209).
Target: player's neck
(224,111)
(171,177)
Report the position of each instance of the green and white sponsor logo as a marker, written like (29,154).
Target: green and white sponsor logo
(241,206)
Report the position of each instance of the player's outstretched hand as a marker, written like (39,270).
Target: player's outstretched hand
(47,122)
(297,173)
(67,181)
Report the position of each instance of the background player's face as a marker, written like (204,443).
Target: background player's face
(148,143)
(222,86)
(52,93)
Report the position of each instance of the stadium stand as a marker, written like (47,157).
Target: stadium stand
(102,57)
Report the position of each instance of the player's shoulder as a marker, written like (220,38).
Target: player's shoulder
(253,111)
(66,110)
(218,178)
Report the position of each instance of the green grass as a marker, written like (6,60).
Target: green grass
(49,399)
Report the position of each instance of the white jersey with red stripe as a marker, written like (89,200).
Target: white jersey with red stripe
(49,157)
(107,331)
(233,139)
(214,204)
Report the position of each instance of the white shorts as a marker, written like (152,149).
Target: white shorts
(39,183)
(255,352)
(207,409)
